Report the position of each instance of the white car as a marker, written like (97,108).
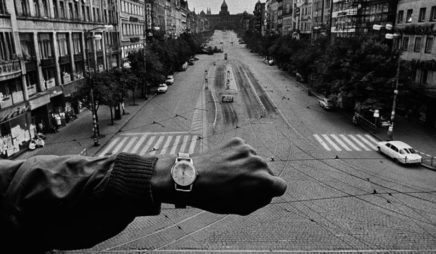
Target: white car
(326,104)
(170,80)
(399,151)
(162,88)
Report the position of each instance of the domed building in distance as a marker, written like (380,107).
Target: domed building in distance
(224,20)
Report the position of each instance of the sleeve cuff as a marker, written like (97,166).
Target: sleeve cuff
(130,182)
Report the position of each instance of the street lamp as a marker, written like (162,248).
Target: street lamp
(397,80)
(95,126)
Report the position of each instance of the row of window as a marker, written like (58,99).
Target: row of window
(421,17)
(132,8)
(132,29)
(418,44)
(45,44)
(64,10)
(3,9)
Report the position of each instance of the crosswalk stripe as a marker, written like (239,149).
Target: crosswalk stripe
(149,143)
(140,141)
(359,143)
(185,142)
(340,142)
(120,144)
(371,138)
(331,142)
(349,142)
(193,143)
(367,142)
(175,145)
(319,139)
(158,145)
(109,147)
(167,145)
(130,144)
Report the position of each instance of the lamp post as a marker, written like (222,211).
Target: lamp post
(95,126)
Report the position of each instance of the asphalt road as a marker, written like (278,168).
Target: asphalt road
(342,195)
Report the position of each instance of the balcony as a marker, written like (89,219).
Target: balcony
(48,62)
(9,69)
(64,59)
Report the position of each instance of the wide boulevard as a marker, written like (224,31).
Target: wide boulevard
(342,196)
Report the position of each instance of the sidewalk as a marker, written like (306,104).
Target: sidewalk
(76,137)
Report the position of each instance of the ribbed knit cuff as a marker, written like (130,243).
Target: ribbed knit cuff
(130,180)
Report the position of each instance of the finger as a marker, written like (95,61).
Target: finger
(278,187)
(234,142)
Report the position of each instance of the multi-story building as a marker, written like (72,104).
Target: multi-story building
(305,24)
(259,18)
(131,23)
(416,22)
(45,48)
(287,17)
(272,8)
(357,17)
(321,17)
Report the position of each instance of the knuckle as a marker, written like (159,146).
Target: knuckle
(237,141)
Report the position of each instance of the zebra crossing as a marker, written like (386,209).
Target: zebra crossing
(154,144)
(347,142)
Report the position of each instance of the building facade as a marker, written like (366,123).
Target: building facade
(357,17)
(46,47)
(287,17)
(224,20)
(131,23)
(259,18)
(321,17)
(416,22)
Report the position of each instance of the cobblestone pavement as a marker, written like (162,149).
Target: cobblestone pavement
(337,201)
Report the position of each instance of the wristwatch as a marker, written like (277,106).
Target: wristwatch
(184,175)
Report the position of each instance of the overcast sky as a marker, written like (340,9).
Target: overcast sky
(235,6)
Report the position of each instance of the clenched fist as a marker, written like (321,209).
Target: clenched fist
(231,180)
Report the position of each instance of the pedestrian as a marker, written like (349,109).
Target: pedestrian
(54,123)
(75,202)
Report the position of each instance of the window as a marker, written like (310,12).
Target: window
(3,9)
(45,12)
(55,9)
(409,16)
(405,43)
(27,47)
(433,14)
(417,47)
(45,45)
(62,44)
(77,43)
(428,45)
(76,10)
(7,50)
(62,6)
(37,10)
(83,12)
(400,17)
(421,15)
(22,8)
(88,13)
(71,11)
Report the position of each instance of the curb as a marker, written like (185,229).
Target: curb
(110,136)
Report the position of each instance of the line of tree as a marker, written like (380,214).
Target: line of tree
(163,57)
(356,72)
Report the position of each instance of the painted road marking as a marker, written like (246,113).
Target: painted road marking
(331,142)
(346,142)
(338,140)
(319,139)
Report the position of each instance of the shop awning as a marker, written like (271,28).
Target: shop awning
(10,113)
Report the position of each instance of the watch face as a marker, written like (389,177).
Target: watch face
(183,173)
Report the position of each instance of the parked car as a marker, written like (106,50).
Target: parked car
(326,104)
(399,152)
(163,88)
(170,80)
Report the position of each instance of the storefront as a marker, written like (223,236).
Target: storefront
(15,130)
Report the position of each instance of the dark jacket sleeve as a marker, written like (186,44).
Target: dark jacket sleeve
(71,202)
